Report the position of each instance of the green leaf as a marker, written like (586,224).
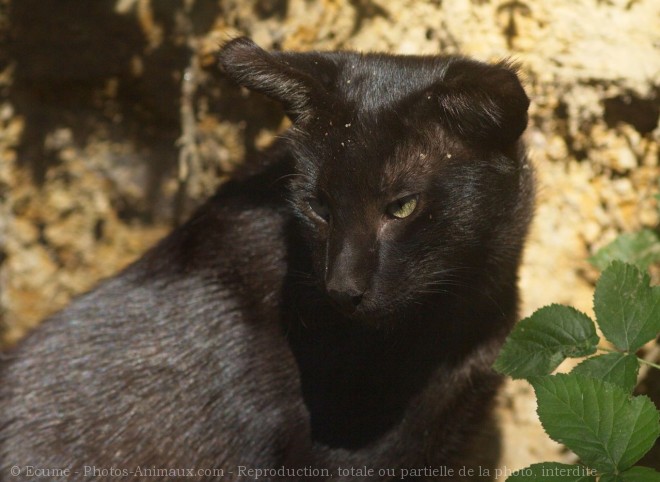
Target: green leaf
(611,478)
(640,474)
(635,474)
(553,472)
(627,308)
(606,427)
(641,249)
(617,368)
(538,344)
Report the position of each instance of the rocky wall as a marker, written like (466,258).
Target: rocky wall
(115,123)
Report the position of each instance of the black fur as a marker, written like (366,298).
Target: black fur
(292,321)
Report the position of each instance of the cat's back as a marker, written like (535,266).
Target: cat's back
(153,364)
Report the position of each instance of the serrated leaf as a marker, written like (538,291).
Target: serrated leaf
(553,472)
(641,249)
(617,368)
(627,308)
(538,344)
(606,427)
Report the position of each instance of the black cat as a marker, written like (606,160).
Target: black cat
(330,314)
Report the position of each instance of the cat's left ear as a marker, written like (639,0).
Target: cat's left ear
(278,75)
(482,102)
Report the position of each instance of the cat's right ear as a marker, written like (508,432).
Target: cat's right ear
(272,75)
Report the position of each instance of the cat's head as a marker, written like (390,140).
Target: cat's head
(410,176)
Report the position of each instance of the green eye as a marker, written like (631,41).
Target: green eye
(320,208)
(403,207)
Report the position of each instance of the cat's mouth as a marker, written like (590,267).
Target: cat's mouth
(358,313)
(346,302)
(362,309)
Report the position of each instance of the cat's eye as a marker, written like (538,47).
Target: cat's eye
(320,208)
(403,207)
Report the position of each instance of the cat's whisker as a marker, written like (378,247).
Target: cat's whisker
(289,176)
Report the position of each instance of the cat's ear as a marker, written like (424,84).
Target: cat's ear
(276,75)
(483,102)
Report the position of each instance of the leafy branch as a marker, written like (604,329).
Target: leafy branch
(592,410)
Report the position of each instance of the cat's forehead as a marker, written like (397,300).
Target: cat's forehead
(373,82)
(375,154)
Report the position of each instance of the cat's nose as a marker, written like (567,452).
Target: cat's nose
(348,300)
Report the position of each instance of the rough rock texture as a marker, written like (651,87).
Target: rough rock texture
(115,123)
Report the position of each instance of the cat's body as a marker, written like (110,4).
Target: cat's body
(338,305)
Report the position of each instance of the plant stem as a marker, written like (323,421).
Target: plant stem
(642,360)
(651,364)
